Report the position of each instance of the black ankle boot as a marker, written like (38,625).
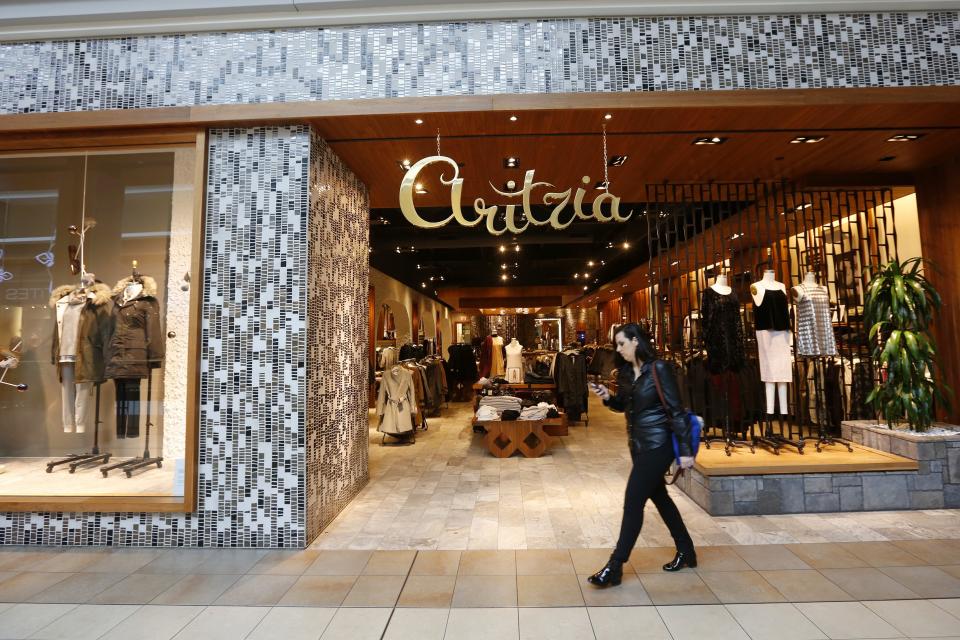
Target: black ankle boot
(610,575)
(681,560)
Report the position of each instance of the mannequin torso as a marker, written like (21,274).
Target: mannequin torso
(721,286)
(767,283)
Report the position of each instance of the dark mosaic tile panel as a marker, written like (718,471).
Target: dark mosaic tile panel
(468,58)
(336,289)
(253,363)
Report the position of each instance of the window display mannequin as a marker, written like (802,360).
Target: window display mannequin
(514,361)
(81,331)
(497,368)
(814,327)
(136,346)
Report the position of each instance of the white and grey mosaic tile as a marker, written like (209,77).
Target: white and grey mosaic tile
(481,58)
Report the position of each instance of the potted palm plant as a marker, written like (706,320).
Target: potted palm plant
(900,308)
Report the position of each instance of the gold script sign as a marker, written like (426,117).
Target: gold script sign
(481,210)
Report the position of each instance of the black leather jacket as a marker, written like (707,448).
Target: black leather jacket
(648,423)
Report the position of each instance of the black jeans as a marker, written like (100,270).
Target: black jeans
(128,407)
(646,481)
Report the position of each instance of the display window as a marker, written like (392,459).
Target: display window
(99,253)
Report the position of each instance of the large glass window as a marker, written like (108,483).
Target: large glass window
(96,251)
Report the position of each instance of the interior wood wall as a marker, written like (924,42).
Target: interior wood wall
(938,209)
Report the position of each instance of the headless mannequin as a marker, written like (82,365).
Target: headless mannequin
(721,286)
(514,361)
(757,290)
(810,280)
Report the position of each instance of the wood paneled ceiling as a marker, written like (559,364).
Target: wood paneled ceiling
(562,146)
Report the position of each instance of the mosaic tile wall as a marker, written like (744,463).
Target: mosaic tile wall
(468,58)
(253,370)
(337,298)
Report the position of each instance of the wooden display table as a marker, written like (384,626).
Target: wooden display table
(530,437)
(519,390)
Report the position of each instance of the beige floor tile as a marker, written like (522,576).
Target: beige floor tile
(549,591)
(374,591)
(181,561)
(19,559)
(488,563)
(200,589)
(555,624)
(23,620)
(223,623)
(951,606)
(389,563)
(677,588)
(339,563)
(417,624)
(544,562)
(24,586)
(589,561)
(928,582)
(153,623)
(69,561)
(6,605)
(827,555)
(285,563)
(720,559)
(868,584)
(740,587)
(650,559)
(4,575)
(436,563)
(695,622)
(843,620)
(230,561)
(137,589)
(882,554)
(318,591)
(770,557)
(485,591)
(256,591)
(935,552)
(629,592)
(86,622)
(121,561)
(774,622)
(805,586)
(293,623)
(79,588)
(953,570)
(427,591)
(636,623)
(483,624)
(357,624)
(916,618)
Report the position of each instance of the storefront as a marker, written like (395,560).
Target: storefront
(225,176)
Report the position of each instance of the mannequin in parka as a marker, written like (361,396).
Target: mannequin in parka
(396,404)
(136,347)
(81,333)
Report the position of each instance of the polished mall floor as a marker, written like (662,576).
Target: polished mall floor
(447,492)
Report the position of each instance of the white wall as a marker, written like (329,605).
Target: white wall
(386,288)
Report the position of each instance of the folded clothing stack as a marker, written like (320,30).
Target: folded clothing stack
(501,403)
(539,412)
(487,413)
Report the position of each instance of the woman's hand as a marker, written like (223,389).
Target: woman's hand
(601,391)
(686,462)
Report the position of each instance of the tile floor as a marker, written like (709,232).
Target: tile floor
(447,492)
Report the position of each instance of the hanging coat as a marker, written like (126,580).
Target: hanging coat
(93,334)
(395,401)
(137,342)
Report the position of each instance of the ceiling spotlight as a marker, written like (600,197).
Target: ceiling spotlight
(808,139)
(626,245)
(431,278)
(511,162)
(601,185)
(503,276)
(709,141)
(674,263)
(516,247)
(586,275)
(611,290)
(423,285)
(803,206)
(418,121)
(624,286)
(398,249)
(887,158)
(736,235)
(418,266)
(404,164)
(590,263)
(617,161)
(513,118)
(502,248)
(905,137)
(576,276)
(509,185)
(584,287)
(503,266)
(607,116)
(418,189)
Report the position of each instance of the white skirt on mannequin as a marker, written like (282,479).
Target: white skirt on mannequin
(776,361)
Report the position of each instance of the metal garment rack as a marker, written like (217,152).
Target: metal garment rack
(95,456)
(129,466)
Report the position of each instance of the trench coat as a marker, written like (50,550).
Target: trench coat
(396,404)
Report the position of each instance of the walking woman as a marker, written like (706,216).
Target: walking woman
(650,422)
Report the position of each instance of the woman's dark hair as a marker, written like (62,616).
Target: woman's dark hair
(645,350)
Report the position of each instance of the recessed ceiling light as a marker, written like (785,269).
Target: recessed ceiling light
(626,245)
(503,276)
(607,116)
(611,290)
(513,118)
(576,276)
(584,287)
(509,185)
(601,185)
(404,164)
(905,137)
(419,188)
(808,139)
(590,263)
(887,158)
(502,248)
(736,235)
(423,284)
(709,141)
(586,275)
(674,263)
(624,286)
(503,266)
(516,247)
(511,162)
(617,161)
(418,121)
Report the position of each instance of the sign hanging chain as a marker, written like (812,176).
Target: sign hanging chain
(606,178)
(438,141)
(83,218)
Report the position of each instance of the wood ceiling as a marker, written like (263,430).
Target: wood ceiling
(563,145)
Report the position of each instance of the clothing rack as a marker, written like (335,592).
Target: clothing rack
(129,466)
(95,456)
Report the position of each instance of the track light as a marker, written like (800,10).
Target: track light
(905,137)
(808,139)
(709,141)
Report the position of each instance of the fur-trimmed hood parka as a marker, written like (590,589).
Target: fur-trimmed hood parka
(93,331)
(137,341)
